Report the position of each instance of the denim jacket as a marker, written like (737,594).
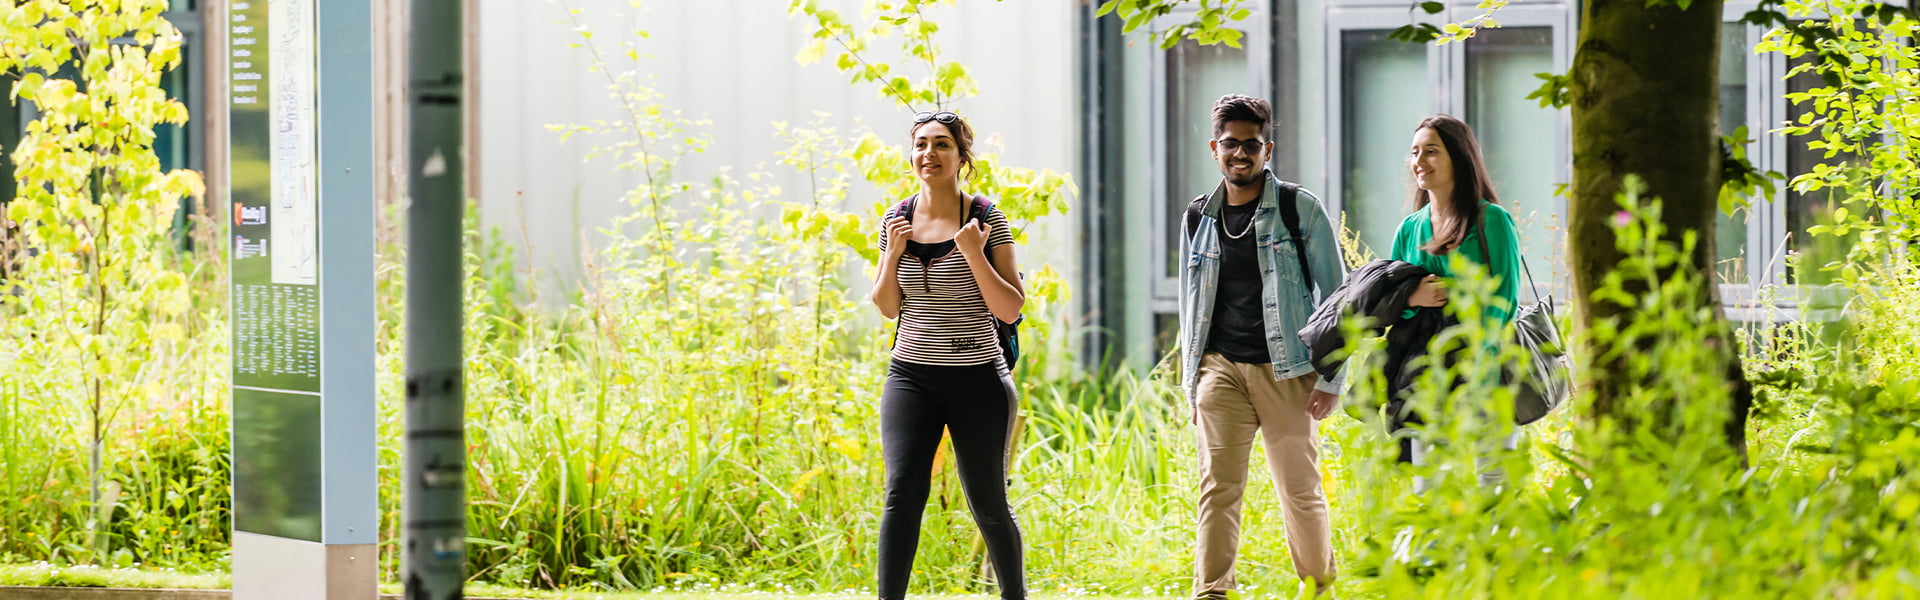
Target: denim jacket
(1288,298)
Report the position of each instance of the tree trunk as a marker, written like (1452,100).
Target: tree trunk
(1645,94)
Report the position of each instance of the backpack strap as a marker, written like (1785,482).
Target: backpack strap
(984,207)
(905,208)
(1290,216)
(979,208)
(1193,215)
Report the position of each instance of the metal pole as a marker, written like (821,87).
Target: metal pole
(433,491)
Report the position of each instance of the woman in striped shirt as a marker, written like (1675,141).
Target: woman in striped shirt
(946,274)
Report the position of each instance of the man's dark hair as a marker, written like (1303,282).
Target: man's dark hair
(1236,107)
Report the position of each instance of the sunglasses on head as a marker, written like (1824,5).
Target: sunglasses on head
(944,117)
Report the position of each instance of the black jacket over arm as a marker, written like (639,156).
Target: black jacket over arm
(1379,291)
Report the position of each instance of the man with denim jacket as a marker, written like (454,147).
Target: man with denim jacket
(1243,301)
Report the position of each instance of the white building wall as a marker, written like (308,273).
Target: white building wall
(732,62)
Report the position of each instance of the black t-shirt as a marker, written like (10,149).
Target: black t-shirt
(1239,330)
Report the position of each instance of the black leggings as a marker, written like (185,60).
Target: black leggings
(976,406)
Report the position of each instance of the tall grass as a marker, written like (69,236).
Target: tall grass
(629,442)
(165,464)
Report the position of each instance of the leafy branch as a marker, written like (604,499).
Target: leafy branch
(1211,24)
(1020,193)
(945,81)
(646,125)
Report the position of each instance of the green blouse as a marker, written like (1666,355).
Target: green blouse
(1503,242)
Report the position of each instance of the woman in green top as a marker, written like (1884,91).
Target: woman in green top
(1457,210)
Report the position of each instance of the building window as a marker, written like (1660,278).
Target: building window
(176,146)
(172,143)
(1807,209)
(183,146)
(1385,88)
(1381,88)
(1185,81)
(1731,230)
(10,132)
(1196,76)
(1518,138)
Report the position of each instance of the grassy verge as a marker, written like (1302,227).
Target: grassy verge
(47,575)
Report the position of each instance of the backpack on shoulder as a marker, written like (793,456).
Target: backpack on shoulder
(1007,334)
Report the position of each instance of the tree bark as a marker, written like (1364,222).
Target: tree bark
(1645,93)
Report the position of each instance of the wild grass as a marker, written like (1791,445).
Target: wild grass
(615,452)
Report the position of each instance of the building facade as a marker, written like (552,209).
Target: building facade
(1060,89)
(1346,98)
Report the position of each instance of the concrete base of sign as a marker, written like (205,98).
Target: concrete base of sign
(275,568)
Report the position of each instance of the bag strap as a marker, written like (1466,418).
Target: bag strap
(979,205)
(1481,229)
(1290,216)
(905,209)
(1193,208)
(985,207)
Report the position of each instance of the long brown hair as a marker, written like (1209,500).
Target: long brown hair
(1471,184)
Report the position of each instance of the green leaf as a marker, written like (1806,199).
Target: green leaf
(1552,91)
(1231,37)
(811,52)
(29,85)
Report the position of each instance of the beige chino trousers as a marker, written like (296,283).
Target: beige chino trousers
(1236,401)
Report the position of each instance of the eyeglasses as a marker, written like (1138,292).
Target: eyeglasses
(944,117)
(1230,145)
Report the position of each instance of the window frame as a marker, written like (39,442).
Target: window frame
(189,18)
(1338,21)
(1767,236)
(1559,19)
(1764,151)
(1447,72)
(1164,286)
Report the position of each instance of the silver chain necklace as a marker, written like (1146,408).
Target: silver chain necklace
(1230,234)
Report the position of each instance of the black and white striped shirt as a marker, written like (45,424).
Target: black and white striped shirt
(944,319)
